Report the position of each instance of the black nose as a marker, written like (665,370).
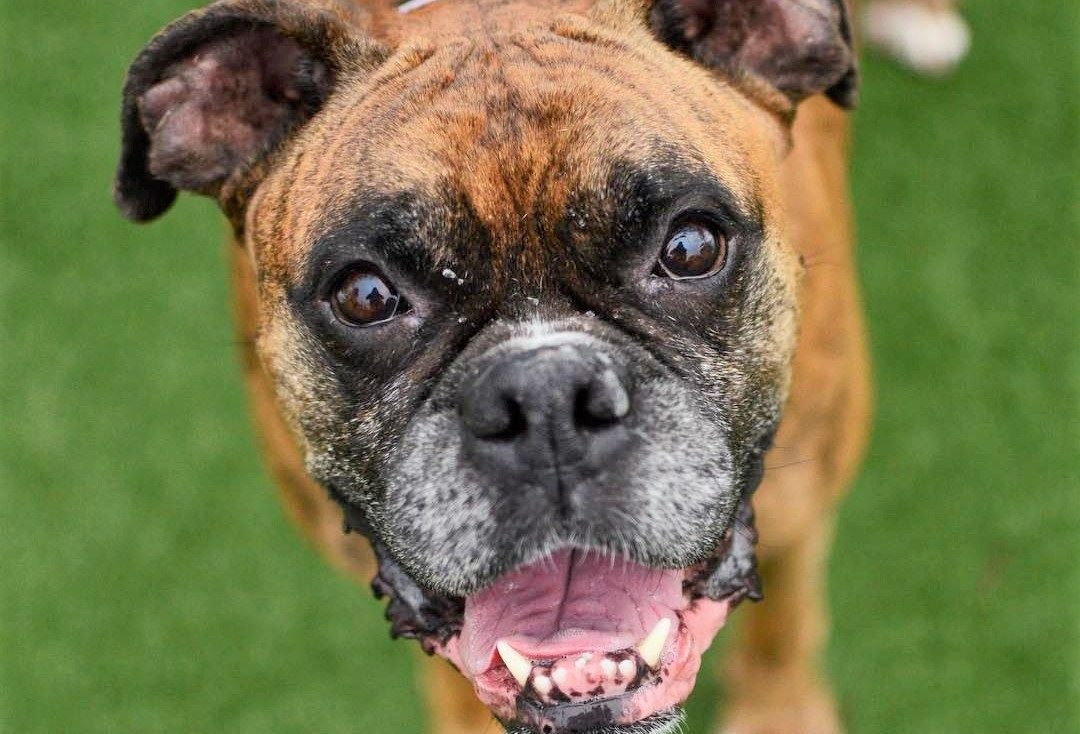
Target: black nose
(550,415)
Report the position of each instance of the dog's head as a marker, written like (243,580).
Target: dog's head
(526,297)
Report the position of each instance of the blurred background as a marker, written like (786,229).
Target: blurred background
(152,584)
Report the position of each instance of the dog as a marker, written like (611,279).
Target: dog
(538,296)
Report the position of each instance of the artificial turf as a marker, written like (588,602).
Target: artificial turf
(151,583)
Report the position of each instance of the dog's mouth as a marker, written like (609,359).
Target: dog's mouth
(579,640)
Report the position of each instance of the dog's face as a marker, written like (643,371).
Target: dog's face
(527,301)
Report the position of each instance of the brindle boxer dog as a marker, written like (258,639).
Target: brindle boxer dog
(525,289)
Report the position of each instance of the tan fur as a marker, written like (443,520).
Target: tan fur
(773,676)
(305,500)
(774,679)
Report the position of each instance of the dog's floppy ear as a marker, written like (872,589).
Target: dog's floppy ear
(797,47)
(219,88)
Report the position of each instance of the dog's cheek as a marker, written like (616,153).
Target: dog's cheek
(748,368)
(346,431)
(682,490)
(779,285)
(438,516)
(305,385)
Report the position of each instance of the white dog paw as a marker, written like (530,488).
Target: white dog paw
(928,40)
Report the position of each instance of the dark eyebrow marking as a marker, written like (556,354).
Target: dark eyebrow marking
(412,236)
(640,200)
(646,190)
(386,230)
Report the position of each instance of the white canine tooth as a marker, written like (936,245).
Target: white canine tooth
(581,662)
(651,647)
(518,665)
(627,668)
(608,668)
(542,684)
(559,676)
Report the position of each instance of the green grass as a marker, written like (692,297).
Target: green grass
(151,583)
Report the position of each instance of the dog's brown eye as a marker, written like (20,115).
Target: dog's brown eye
(692,251)
(363,298)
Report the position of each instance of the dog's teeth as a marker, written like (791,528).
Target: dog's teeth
(627,668)
(542,684)
(559,676)
(518,665)
(608,668)
(651,647)
(581,662)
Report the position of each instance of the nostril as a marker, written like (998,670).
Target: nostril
(601,403)
(493,417)
(514,425)
(584,414)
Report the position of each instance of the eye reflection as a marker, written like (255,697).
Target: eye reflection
(692,251)
(365,298)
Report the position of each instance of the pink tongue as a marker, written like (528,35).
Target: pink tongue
(573,602)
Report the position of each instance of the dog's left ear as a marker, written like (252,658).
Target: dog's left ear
(797,47)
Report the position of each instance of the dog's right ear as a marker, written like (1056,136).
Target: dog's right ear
(219,89)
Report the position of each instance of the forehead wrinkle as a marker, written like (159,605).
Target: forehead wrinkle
(681,110)
(722,114)
(383,156)
(279,247)
(500,152)
(337,159)
(512,125)
(396,230)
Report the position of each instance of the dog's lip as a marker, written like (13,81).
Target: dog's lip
(532,694)
(698,624)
